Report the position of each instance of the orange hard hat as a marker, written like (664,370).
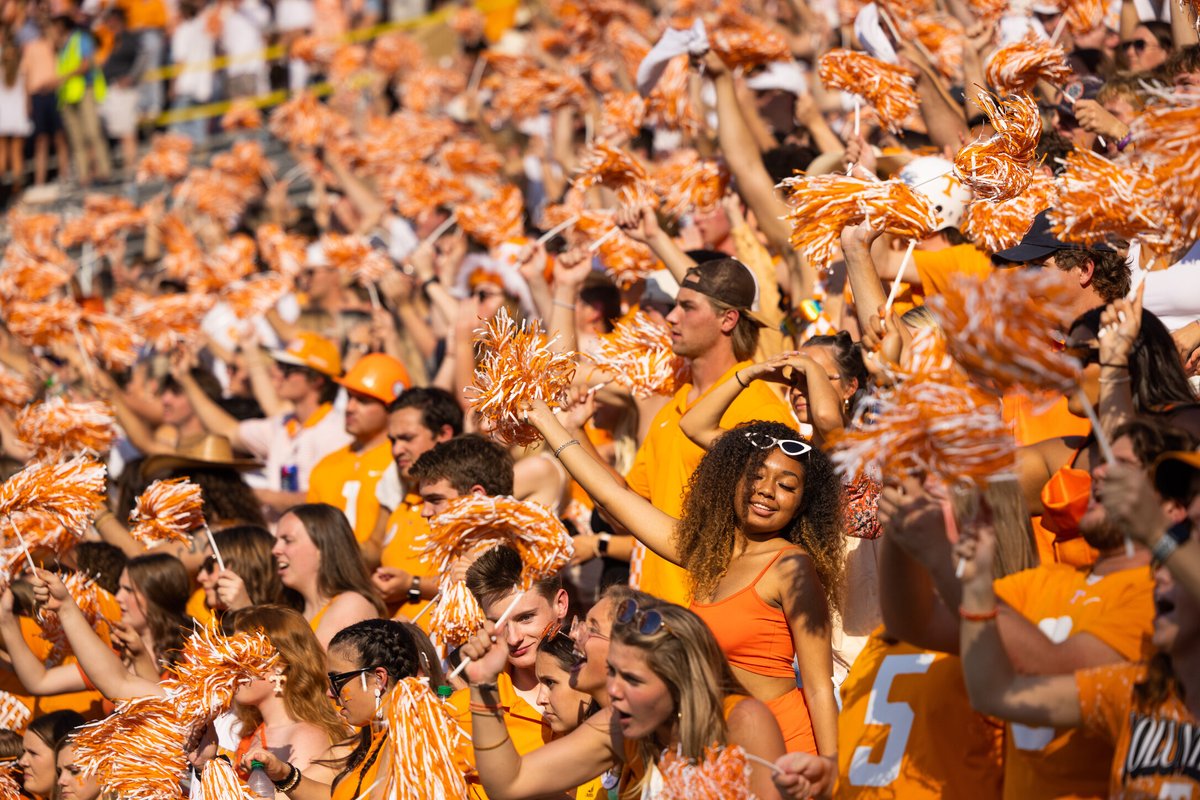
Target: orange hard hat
(313,351)
(377,375)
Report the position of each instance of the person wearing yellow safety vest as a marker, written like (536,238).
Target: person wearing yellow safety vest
(80,92)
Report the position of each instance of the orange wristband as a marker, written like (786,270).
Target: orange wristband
(971,616)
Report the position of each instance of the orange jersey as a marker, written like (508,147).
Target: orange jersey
(399,550)
(1063,601)
(524,723)
(907,729)
(1157,748)
(664,464)
(347,479)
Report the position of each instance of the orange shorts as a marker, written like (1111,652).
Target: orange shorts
(791,712)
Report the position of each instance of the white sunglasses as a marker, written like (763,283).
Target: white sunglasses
(789,447)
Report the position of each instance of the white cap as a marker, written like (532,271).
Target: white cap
(868,29)
(933,176)
(786,75)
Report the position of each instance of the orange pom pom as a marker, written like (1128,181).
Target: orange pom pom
(15,389)
(347,60)
(1001,167)
(282,252)
(306,122)
(1098,199)
(1019,66)
(457,615)
(14,716)
(1164,140)
(169,320)
(243,115)
(97,605)
(821,206)
(354,254)
(468,23)
(425,739)
(496,219)
(58,429)
(472,524)
(213,666)
(256,295)
(426,88)
(723,774)
(639,355)
(220,781)
(517,365)
(25,278)
(997,226)
(745,41)
(396,52)
(168,511)
(944,38)
(104,216)
(167,159)
(471,157)
(617,170)
(887,88)
(621,115)
(1000,328)
(65,328)
(670,103)
(688,182)
(1083,16)
(69,492)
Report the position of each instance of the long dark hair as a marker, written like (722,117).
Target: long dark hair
(1157,379)
(708,527)
(375,643)
(163,582)
(341,569)
(246,550)
(847,354)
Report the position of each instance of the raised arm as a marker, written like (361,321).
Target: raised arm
(1120,324)
(214,418)
(652,527)
(640,224)
(38,679)
(993,684)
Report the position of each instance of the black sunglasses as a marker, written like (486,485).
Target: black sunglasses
(338,680)
(1136,45)
(209,564)
(647,623)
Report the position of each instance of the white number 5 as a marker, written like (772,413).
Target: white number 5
(898,716)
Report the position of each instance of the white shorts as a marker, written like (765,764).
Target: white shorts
(120,111)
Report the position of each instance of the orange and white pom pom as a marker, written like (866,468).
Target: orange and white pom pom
(1019,66)
(496,219)
(243,115)
(1084,16)
(1001,167)
(220,781)
(396,52)
(471,157)
(1098,200)
(723,774)
(521,88)
(618,170)
(638,353)
(468,23)
(15,390)
(821,206)
(670,103)
(742,40)
(517,366)
(25,278)
(687,182)
(621,115)
(70,492)
(97,605)
(996,226)
(137,751)
(58,429)
(306,122)
(1164,139)
(355,255)
(425,739)
(168,511)
(427,88)
(1000,330)
(256,295)
(14,716)
(166,321)
(889,89)
(282,252)
(456,616)
(214,666)
(167,159)
(472,524)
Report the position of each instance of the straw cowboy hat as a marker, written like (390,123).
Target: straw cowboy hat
(208,451)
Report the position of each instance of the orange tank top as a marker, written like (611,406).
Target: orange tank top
(753,635)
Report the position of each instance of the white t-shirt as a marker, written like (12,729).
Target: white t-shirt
(1173,294)
(242,29)
(268,439)
(193,48)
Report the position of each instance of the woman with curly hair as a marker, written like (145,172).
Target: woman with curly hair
(760,538)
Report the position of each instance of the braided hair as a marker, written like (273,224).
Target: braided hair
(375,643)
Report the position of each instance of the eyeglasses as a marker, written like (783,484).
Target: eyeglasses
(581,632)
(209,564)
(1136,45)
(647,623)
(338,680)
(790,447)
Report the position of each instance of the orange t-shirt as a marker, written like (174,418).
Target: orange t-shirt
(1118,609)
(399,551)
(1157,750)
(524,723)
(346,479)
(89,703)
(904,712)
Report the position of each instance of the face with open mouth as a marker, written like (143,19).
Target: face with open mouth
(296,557)
(641,700)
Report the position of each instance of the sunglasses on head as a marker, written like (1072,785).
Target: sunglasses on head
(338,680)
(789,447)
(647,623)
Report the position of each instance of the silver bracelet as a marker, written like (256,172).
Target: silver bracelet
(563,304)
(564,446)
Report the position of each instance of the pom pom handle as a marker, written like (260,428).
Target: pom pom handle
(503,618)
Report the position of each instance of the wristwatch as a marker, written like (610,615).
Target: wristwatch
(1163,549)
(414,590)
(602,541)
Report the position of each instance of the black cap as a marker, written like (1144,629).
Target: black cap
(1040,242)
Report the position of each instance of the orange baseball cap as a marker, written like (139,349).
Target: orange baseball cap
(313,351)
(377,375)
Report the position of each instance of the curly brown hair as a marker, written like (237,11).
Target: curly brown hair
(708,528)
